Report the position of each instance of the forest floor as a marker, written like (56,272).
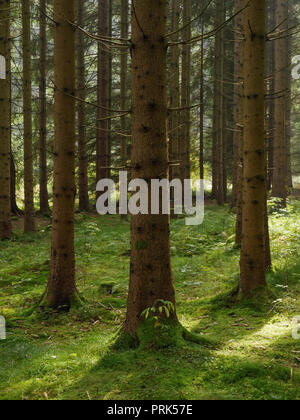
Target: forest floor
(67,356)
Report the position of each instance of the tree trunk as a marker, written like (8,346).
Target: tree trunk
(13,203)
(201,145)
(5,131)
(280,176)
(61,286)
(185,138)
(253,259)
(81,114)
(29,222)
(219,132)
(123,93)
(44,203)
(174,145)
(238,119)
(150,270)
(103,84)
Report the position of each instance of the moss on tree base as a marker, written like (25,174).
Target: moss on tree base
(150,335)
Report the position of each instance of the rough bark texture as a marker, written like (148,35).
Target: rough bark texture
(201,127)
(238,119)
(61,286)
(185,137)
(44,203)
(254,181)
(280,176)
(29,222)
(5,104)
(123,93)
(81,114)
(219,106)
(150,269)
(174,93)
(103,87)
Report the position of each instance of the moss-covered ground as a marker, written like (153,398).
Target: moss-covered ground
(68,356)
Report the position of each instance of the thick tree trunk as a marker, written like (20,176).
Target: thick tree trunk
(81,114)
(44,203)
(29,222)
(61,286)
(5,131)
(280,175)
(253,259)
(103,85)
(150,270)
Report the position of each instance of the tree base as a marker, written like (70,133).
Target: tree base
(150,336)
(74,301)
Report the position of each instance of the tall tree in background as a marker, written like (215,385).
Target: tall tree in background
(44,204)
(61,288)
(280,175)
(103,89)
(150,270)
(218,131)
(238,120)
(5,130)
(253,255)
(174,90)
(29,222)
(185,137)
(123,92)
(81,113)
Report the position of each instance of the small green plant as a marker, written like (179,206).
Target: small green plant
(161,308)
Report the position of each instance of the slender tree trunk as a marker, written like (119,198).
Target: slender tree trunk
(201,154)
(5,131)
(238,119)
(185,138)
(29,222)
(123,93)
(150,270)
(280,176)
(13,202)
(220,17)
(44,203)
(61,286)
(81,114)
(103,83)
(174,145)
(270,105)
(253,259)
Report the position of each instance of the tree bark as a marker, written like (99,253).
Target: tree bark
(29,221)
(61,286)
(238,119)
(81,114)
(185,137)
(44,199)
(253,258)
(280,176)
(201,144)
(103,84)
(5,131)
(150,270)
(123,93)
